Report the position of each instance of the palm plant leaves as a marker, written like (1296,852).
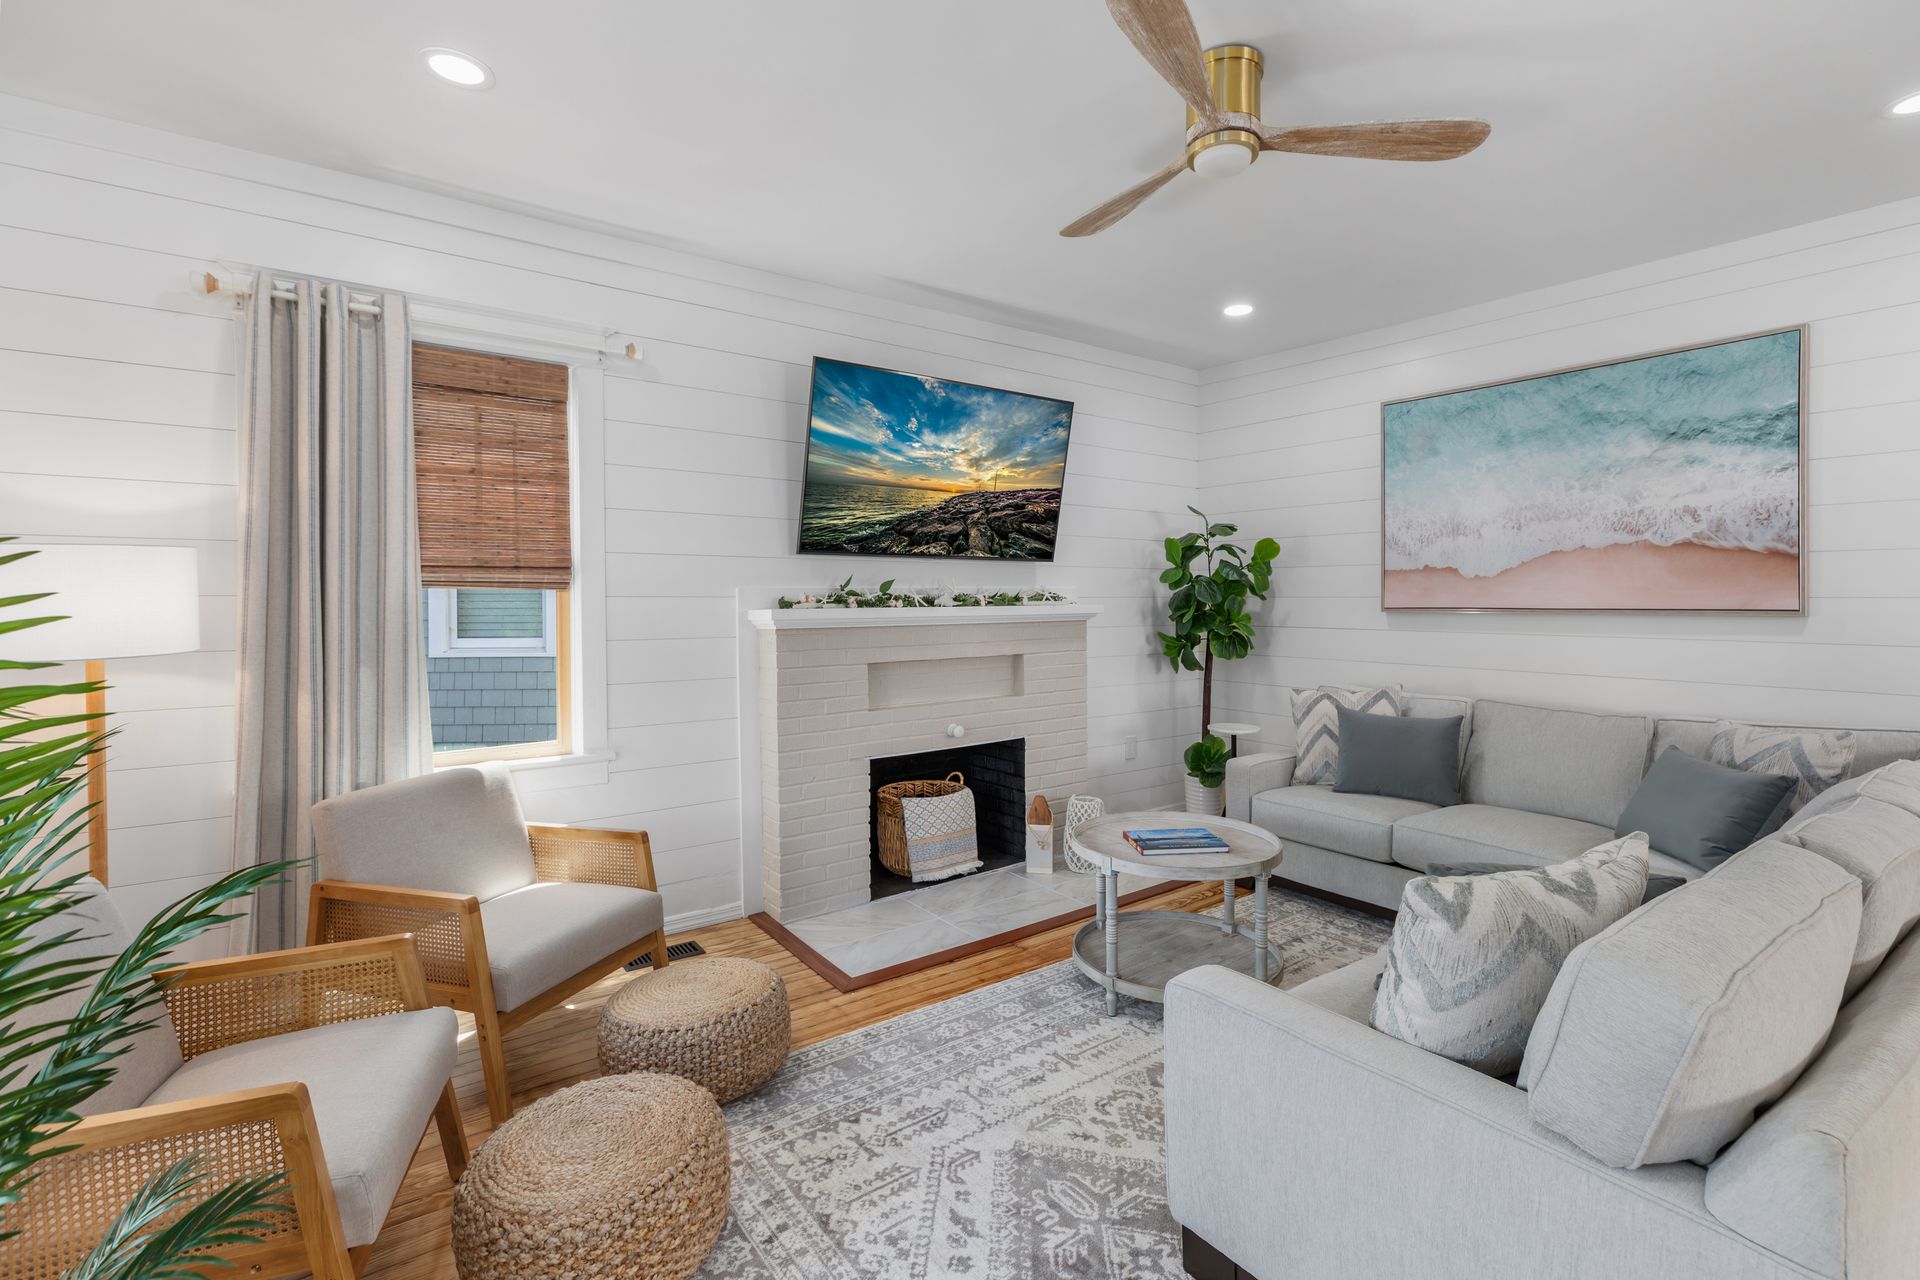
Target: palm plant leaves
(164,1234)
(160,1235)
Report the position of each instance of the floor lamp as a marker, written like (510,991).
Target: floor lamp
(114,602)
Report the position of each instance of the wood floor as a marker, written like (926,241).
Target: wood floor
(557,1049)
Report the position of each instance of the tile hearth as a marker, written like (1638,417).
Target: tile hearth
(949,913)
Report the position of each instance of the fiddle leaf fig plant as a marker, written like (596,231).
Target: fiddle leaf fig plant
(1206,761)
(1210,580)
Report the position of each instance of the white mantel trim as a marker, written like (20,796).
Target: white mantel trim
(882,616)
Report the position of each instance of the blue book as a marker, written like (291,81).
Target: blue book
(1189,834)
(1175,840)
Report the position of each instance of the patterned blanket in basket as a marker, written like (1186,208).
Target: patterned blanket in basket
(941,841)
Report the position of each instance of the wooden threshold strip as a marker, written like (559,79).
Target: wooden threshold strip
(843,981)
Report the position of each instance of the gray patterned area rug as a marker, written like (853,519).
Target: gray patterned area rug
(1013,1133)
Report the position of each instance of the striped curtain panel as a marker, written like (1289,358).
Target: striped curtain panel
(332,667)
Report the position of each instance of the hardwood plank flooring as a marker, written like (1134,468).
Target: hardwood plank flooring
(558,1049)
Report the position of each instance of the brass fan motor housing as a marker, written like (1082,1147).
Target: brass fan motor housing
(1234,70)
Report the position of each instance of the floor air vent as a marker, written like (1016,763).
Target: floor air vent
(678,951)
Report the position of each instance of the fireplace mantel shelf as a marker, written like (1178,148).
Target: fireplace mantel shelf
(784,619)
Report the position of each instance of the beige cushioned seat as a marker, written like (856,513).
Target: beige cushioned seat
(1348,990)
(1729,988)
(1358,825)
(539,936)
(1826,1176)
(1484,833)
(1572,764)
(153,1054)
(1879,842)
(457,831)
(373,1083)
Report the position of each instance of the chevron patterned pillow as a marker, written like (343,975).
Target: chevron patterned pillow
(1818,758)
(1473,958)
(1316,727)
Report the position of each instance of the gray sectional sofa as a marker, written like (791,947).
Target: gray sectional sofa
(1723,1085)
(1541,784)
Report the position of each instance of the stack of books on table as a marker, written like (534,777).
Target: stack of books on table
(1159,842)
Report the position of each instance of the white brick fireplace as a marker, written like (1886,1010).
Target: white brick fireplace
(839,688)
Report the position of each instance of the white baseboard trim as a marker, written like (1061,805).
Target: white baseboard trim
(689,920)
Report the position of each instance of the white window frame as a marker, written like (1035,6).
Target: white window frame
(444,639)
(585,760)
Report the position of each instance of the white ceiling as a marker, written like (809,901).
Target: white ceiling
(930,149)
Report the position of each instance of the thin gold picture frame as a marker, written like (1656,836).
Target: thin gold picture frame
(1800,514)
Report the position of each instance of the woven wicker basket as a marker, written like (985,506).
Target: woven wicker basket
(893,819)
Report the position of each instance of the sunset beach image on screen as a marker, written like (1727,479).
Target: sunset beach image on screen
(1666,482)
(903,464)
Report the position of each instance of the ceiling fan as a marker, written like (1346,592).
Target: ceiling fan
(1224,133)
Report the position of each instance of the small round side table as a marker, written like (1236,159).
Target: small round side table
(1233,731)
(1138,953)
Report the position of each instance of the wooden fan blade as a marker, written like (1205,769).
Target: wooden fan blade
(1382,140)
(1163,32)
(1103,216)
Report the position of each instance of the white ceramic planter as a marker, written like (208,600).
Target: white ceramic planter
(1209,801)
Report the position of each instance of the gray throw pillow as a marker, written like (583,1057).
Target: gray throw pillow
(1472,960)
(1316,727)
(1703,813)
(1411,758)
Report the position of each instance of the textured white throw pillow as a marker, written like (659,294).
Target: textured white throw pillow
(1815,758)
(1472,958)
(1316,727)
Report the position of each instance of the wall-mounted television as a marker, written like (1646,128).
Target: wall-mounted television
(899,464)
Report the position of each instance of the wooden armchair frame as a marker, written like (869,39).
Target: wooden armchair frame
(447,933)
(240,1134)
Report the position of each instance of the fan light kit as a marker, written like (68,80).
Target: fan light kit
(458,68)
(1237,309)
(1221,87)
(1907,106)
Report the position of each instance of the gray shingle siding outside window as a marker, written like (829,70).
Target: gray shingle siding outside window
(490,702)
(502,615)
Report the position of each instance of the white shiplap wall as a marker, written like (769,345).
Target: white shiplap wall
(117,422)
(1290,445)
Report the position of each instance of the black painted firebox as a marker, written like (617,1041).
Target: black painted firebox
(996,773)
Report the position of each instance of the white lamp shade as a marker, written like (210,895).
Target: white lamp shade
(118,602)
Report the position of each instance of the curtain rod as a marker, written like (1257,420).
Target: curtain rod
(452,318)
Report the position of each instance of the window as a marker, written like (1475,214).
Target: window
(496,552)
(482,622)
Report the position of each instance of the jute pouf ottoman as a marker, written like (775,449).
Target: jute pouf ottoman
(624,1176)
(716,1020)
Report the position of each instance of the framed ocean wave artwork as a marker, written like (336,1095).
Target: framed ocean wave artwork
(1670,482)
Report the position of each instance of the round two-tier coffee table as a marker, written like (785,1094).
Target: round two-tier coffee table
(1137,953)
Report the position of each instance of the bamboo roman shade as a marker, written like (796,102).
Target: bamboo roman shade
(490,454)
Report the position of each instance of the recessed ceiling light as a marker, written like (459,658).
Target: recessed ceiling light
(458,68)
(1907,106)
(1237,309)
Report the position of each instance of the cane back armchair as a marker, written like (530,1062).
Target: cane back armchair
(501,911)
(337,1041)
